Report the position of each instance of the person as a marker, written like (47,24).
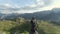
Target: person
(33,26)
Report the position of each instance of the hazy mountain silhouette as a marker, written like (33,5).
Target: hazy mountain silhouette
(50,15)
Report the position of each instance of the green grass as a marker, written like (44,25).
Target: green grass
(49,28)
(43,27)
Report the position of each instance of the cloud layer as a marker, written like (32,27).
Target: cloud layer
(37,5)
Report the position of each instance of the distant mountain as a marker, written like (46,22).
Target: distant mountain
(50,15)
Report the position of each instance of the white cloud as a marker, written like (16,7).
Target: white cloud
(8,5)
(40,2)
(17,6)
(39,5)
(55,4)
(11,6)
(33,5)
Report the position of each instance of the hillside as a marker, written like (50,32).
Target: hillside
(48,22)
(23,27)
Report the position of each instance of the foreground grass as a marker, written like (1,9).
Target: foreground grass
(49,28)
(43,27)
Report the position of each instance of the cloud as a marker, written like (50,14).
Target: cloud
(38,5)
(56,3)
(11,6)
(40,2)
(8,5)
(47,4)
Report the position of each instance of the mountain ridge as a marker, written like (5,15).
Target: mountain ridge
(51,15)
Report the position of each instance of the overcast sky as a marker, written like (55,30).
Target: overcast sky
(27,6)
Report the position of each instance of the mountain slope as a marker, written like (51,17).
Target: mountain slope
(50,15)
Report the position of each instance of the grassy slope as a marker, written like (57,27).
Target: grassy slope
(49,28)
(43,27)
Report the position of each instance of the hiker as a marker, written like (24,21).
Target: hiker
(33,26)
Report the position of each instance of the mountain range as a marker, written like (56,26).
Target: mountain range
(50,15)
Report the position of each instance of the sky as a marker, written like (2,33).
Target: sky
(27,6)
